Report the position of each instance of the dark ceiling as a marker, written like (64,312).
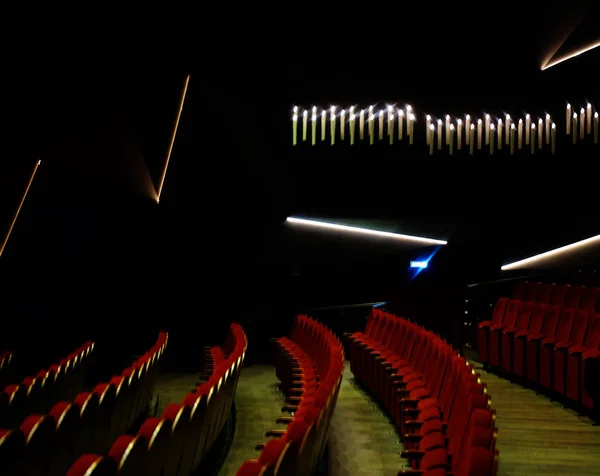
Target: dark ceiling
(103,139)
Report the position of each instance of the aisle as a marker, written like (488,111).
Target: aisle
(362,440)
(258,403)
(538,436)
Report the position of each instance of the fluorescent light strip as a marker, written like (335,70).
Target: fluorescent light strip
(12,225)
(573,55)
(366,231)
(164,174)
(552,253)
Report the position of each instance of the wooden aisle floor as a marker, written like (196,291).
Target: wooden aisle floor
(538,436)
(362,440)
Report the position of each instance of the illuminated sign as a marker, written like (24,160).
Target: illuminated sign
(418,264)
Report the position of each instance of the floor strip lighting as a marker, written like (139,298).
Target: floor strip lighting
(12,225)
(164,174)
(366,231)
(552,253)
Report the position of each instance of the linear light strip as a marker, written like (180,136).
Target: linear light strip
(12,225)
(164,174)
(551,253)
(573,55)
(366,231)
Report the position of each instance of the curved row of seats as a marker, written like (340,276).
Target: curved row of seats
(545,344)
(309,365)
(175,443)
(5,367)
(579,297)
(38,394)
(438,402)
(48,444)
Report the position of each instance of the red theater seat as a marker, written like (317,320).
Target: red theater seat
(581,320)
(545,293)
(534,342)
(536,323)
(574,296)
(577,355)
(510,318)
(508,335)
(93,465)
(531,292)
(483,329)
(559,295)
(590,297)
(562,335)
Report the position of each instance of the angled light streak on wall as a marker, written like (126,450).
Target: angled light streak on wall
(548,255)
(173,136)
(12,225)
(572,55)
(366,231)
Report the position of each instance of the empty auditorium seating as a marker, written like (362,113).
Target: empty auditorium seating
(37,394)
(435,397)
(48,444)
(310,365)
(175,443)
(544,335)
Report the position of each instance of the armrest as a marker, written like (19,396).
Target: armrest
(296,384)
(510,330)
(412,437)
(497,327)
(412,454)
(260,446)
(408,401)
(416,424)
(293,399)
(403,392)
(379,358)
(549,341)
(536,338)
(289,408)
(563,345)
(284,419)
(483,324)
(296,390)
(275,433)
(412,412)
(521,334)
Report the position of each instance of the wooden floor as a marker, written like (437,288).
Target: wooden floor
(538,436)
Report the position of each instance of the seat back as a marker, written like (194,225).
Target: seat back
(565,324)
(538,314)
(524,315)
(579,328)
(559,295)
(574,296)
(531,292)
(551,321)
(499,310)
(589,299)
(544,293)
(592,338)
(512,312)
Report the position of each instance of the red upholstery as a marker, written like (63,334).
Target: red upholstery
(536,322)
(534,342)
(434,396)
(561,336)
(510,318)
(176,442)
(483,329)
(559,295)
(509,333)
(577,355)
(581,320)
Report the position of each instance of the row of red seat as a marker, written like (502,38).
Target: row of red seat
(48,444)
(38,394)
(310,365)
(559,295)
(545,344)
(436,399)
(175,443)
